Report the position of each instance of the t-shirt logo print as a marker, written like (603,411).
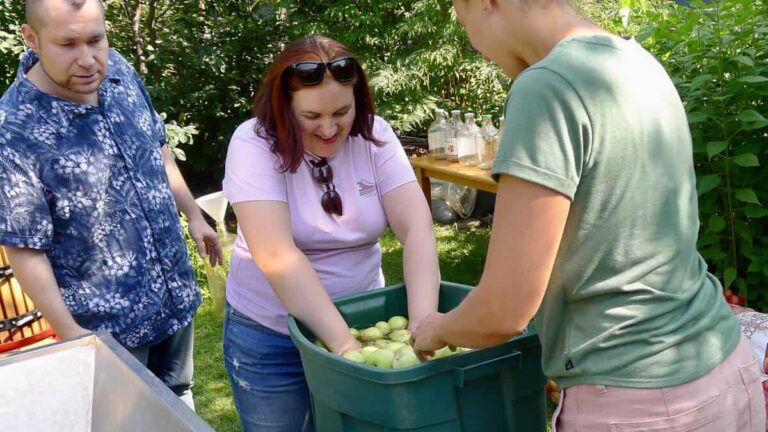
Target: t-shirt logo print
(365,187)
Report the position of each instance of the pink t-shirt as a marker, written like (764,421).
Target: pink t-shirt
(344,251)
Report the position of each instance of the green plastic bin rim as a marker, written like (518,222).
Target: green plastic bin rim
(512,347)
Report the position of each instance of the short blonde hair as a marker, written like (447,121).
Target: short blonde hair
(32,10)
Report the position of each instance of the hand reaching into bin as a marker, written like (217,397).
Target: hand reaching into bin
(425,339)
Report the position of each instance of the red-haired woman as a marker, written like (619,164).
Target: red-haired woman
(314,178)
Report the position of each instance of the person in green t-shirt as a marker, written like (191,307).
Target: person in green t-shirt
(595,234)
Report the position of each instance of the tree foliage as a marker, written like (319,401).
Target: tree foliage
(716,54)
(11,45)
(203,61)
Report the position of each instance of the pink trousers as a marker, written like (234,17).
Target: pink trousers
(728,399)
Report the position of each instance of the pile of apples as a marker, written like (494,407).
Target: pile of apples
(387,344)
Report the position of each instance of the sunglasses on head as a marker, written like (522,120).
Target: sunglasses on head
(323,174)
(310,73)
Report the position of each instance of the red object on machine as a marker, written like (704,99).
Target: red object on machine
(20,323)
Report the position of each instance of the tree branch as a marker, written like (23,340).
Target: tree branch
(151,19)
(138,43)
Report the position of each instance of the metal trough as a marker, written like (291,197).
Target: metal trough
(87,384)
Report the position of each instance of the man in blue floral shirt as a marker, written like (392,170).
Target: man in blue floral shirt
(88,194)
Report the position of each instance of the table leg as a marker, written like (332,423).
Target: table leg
(425,184)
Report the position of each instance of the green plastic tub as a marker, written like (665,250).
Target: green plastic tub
(493,389)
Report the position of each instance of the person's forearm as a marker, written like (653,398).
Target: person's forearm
(528,225)
(185,202)
(481,320)
(34,273)
(421,271)
(300,291)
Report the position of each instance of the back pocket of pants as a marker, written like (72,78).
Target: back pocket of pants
(750,377)
(690,420)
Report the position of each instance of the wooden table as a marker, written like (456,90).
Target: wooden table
(426,167)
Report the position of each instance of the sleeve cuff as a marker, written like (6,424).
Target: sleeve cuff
(25,242)
(534,175)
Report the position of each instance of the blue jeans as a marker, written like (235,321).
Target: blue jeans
(171,361)
(266,376)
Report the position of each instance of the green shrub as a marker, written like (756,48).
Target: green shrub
(717,55)
(11,43)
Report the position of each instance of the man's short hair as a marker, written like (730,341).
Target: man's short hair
(32,11)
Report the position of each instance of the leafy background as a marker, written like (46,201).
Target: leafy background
(203,60)
(716,54)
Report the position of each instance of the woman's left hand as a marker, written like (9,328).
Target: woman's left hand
(425,337)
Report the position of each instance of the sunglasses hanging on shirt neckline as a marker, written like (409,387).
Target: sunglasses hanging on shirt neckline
(311,73)
(323,174)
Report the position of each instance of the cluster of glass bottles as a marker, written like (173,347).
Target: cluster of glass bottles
(464,142)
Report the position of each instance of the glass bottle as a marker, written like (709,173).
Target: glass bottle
(468,137)
(486,151)
(501,135)
(452,135)
(436,135)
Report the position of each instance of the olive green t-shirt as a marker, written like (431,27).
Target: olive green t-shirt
(630,302)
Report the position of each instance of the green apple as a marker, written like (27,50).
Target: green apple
(439,353)
(404,349)
(381,358)
(394,346)
(320,344)
(398,322)
(381,343)
(384,327)
(402,335)
(353,355)
(405,357)
(371,334)
(443,352)
(366,351)
(354,332)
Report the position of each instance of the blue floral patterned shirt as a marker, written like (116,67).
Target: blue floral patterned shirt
(87,185)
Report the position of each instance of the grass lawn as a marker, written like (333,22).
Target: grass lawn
(462,254)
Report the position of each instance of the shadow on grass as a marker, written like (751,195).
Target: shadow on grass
(461,251)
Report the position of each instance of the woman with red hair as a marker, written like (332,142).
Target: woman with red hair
(314,179)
